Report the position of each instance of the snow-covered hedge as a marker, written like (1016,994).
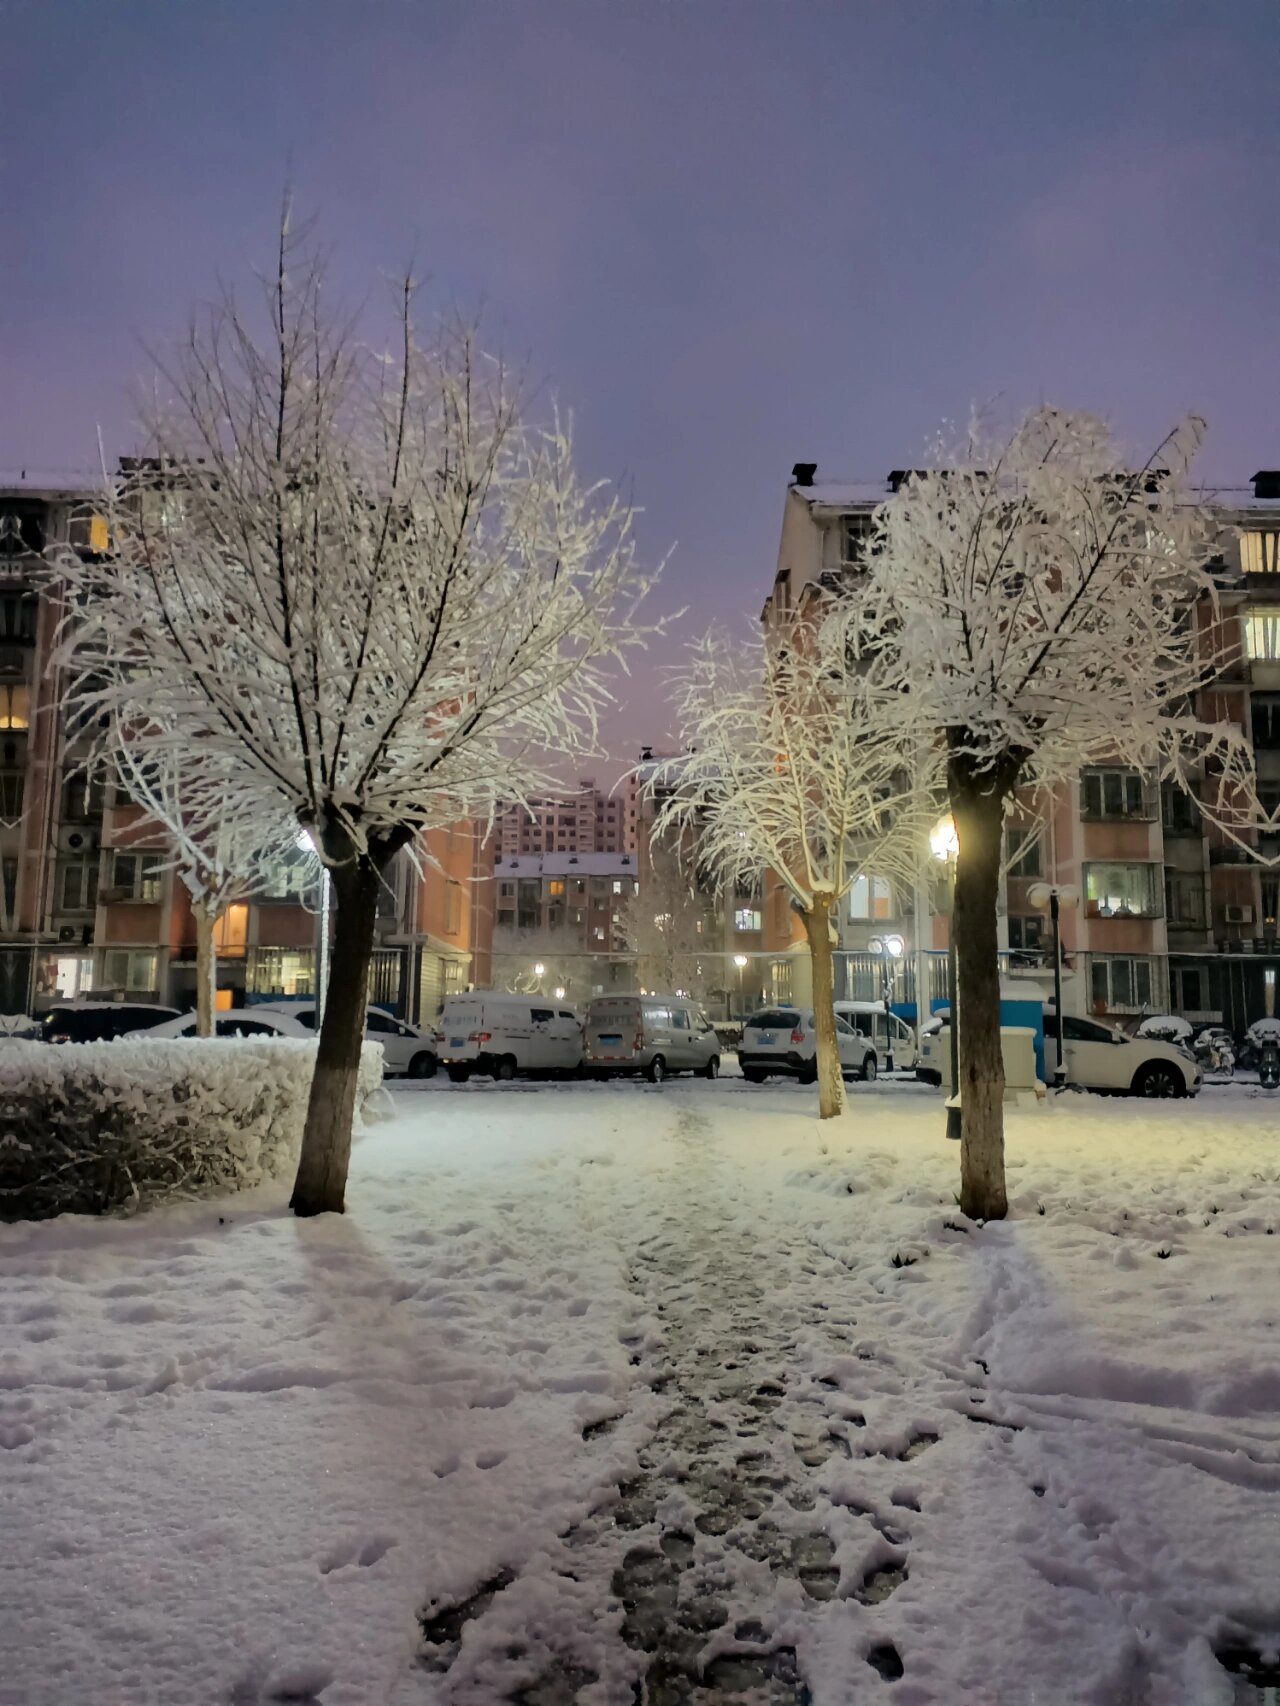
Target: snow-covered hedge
(90,1127)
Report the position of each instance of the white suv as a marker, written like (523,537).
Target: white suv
(1099,1058)
(784,1040)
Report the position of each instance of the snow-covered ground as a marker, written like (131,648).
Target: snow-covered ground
(602,1383)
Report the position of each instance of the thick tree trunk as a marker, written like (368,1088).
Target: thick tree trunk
(206,967)
(817,926)
(977,804)
(321,1184)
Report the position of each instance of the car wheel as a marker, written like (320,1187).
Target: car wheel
(868,1073)
(505,1067)
(808,1073)
(458,1074)
(423,1065)
(753,1075)
(1159,1078)
(712,1068)
(656,1070)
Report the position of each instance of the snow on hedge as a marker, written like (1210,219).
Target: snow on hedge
(91,1127)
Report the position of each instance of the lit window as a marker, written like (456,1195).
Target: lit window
(231,932)
(556,889)
(15,705)
(1260,553)
(1262,636)
(1120,891)
(746,918)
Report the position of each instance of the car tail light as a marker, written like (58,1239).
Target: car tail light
(637,1041)
(60,1037)
(797,1036)
(480,1037)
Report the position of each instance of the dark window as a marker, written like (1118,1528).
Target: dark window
(1027,862)
(680,1018)
(380,1023)
(1179,813)
(1112,794)
(565,1015)
(773,1019)
(1026,934)
(540,1014)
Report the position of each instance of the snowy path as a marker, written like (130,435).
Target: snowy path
(612,1393)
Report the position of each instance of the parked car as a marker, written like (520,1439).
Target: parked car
(499,1035)
(891,1035)
(784,1040)
(239,1022)
(101,1021)
(653,1034)
(406,1049)
(1102,1059)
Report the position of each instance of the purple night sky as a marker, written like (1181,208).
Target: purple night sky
(730,235)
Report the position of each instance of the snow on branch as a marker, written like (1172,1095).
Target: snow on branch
(360,583)
(1051,604)
(804,756)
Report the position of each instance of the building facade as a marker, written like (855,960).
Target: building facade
(584,820)
(1172,916)
(89,903)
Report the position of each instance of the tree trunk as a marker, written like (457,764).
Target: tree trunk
(817,926)
(977,805)
(321,1184)
(206,967)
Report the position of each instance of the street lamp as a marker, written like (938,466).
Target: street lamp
(887,949)
(740,960)
(539,971)
(944,844)
(1055,896)
(306,843)
(559,992)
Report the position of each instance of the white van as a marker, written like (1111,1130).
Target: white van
(498,1035)
(895,1045)
(653,1034)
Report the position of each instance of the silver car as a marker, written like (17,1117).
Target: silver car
(653,1034)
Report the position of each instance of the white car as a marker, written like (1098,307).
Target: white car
(405,1048)
(783,1041)
(892,1036)
(240,1022)
(1099,1058)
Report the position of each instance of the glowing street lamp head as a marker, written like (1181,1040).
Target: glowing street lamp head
(539,969)
(559,992)
(305,841)
(894,947)
(740,960)
(943,840)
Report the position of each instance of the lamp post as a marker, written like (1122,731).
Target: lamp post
(306,844)
(887,949)
(944,844)
(740,960)
(1055,896)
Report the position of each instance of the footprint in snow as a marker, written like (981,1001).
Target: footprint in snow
(361,1553)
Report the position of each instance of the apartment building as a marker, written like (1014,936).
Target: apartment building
(584,820)
(560,910)
(1172,915)
(89,905)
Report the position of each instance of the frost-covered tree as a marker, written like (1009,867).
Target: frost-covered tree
(1049,605)
(217,840)
(802,759)
(362,583)
(666,924)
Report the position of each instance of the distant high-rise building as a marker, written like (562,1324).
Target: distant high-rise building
(584,820)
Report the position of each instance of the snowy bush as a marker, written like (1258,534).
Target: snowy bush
(92,1127)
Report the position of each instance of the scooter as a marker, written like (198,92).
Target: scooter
(1269,1064)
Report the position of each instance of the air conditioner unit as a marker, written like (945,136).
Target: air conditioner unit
(77,838)
(1238,914)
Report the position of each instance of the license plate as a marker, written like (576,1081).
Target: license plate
(608,1040)
(457,1042)
(766,1039)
